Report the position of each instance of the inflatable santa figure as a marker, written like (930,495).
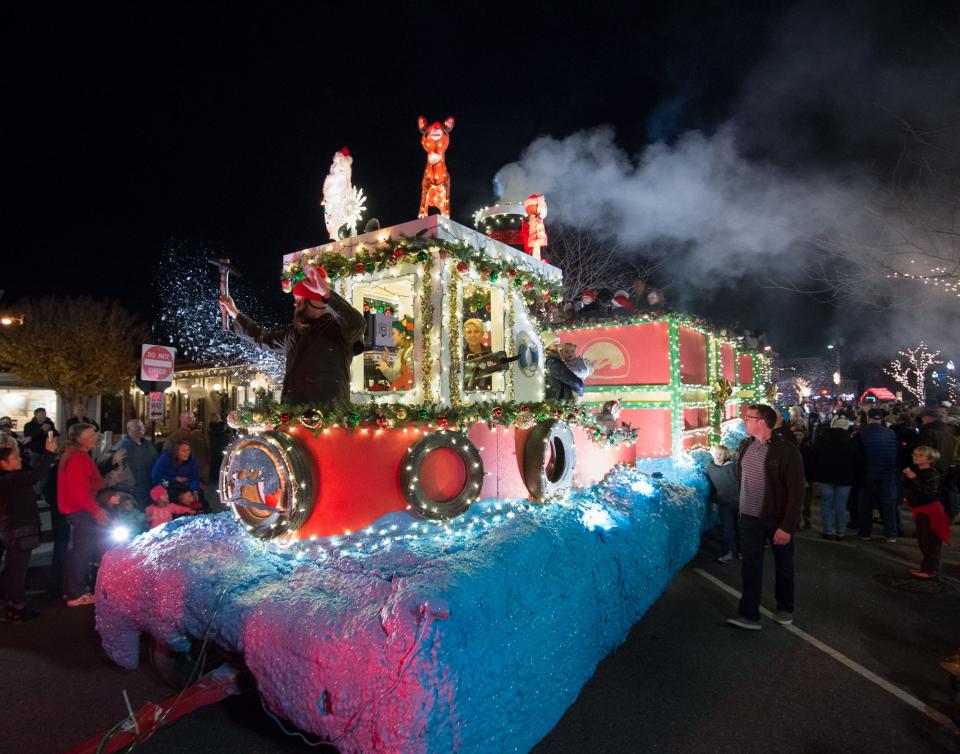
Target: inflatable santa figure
(536,233)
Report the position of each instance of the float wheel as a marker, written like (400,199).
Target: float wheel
(428,504)
(549,459)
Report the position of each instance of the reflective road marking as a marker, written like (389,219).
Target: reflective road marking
(856,667)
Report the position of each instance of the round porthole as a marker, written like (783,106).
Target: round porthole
(268,482)
(549,459)
(441,475)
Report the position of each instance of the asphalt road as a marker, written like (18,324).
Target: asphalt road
(682,682)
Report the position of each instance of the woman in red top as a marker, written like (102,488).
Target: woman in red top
(78,482)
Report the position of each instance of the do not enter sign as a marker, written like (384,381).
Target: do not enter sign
(156,363)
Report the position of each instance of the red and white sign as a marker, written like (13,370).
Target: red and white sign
(156,363)
(154,406)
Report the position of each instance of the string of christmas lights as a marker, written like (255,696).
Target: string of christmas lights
(913,374)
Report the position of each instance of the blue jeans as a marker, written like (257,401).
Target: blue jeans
(833,507)
(85,543)
(729,536)
(753,535)
(878,491)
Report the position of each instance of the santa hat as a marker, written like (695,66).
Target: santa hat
(622,299)
(536,204)
(345,152)
(302,289)
(157,492)
(588,297)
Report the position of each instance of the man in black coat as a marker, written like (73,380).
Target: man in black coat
(319,344)
(771,496)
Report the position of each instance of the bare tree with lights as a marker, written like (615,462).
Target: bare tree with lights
(915,219)
(913,374)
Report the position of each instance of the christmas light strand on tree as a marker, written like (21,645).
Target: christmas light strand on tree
(913,374)
(189,316)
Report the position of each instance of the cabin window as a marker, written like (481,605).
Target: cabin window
(388,355)
(482,337)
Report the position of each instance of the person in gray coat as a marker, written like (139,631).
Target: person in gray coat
(725,500)
(141,454)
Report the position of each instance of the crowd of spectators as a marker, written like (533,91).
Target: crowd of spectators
(92,496)
(884,458)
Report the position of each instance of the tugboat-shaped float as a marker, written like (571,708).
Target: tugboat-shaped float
(446,403)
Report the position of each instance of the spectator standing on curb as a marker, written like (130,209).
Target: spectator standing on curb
(935,434)
(20,522)
(78,482)
(725,500)
(833,470)
(771,495)
(140,457)
(877,461)
(79,417)
(922,490)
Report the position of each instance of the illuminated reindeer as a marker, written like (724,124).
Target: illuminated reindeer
(436,179)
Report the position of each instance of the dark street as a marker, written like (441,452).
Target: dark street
(682,682)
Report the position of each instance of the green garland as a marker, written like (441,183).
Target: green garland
(399,415)
(720,393)
(412,250)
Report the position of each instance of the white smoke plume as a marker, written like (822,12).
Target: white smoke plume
(814,138)
(732,217)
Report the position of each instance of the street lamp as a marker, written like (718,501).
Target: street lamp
(835,347)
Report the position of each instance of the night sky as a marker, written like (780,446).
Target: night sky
(131,128)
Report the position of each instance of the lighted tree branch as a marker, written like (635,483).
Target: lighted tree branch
(913,374)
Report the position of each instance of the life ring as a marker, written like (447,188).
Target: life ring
(432,506)
(268,482)
(549,459)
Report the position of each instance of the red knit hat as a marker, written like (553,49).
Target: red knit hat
(157,491)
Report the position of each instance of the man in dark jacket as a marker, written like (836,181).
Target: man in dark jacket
(319,343)
(771,496)
(876,451)
(833,460)
(34,430)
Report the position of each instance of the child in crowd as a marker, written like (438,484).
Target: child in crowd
(162,510)
(725,500)
(127,514)
(189,499)
(921,491)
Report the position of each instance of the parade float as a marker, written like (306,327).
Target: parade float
(440,564)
